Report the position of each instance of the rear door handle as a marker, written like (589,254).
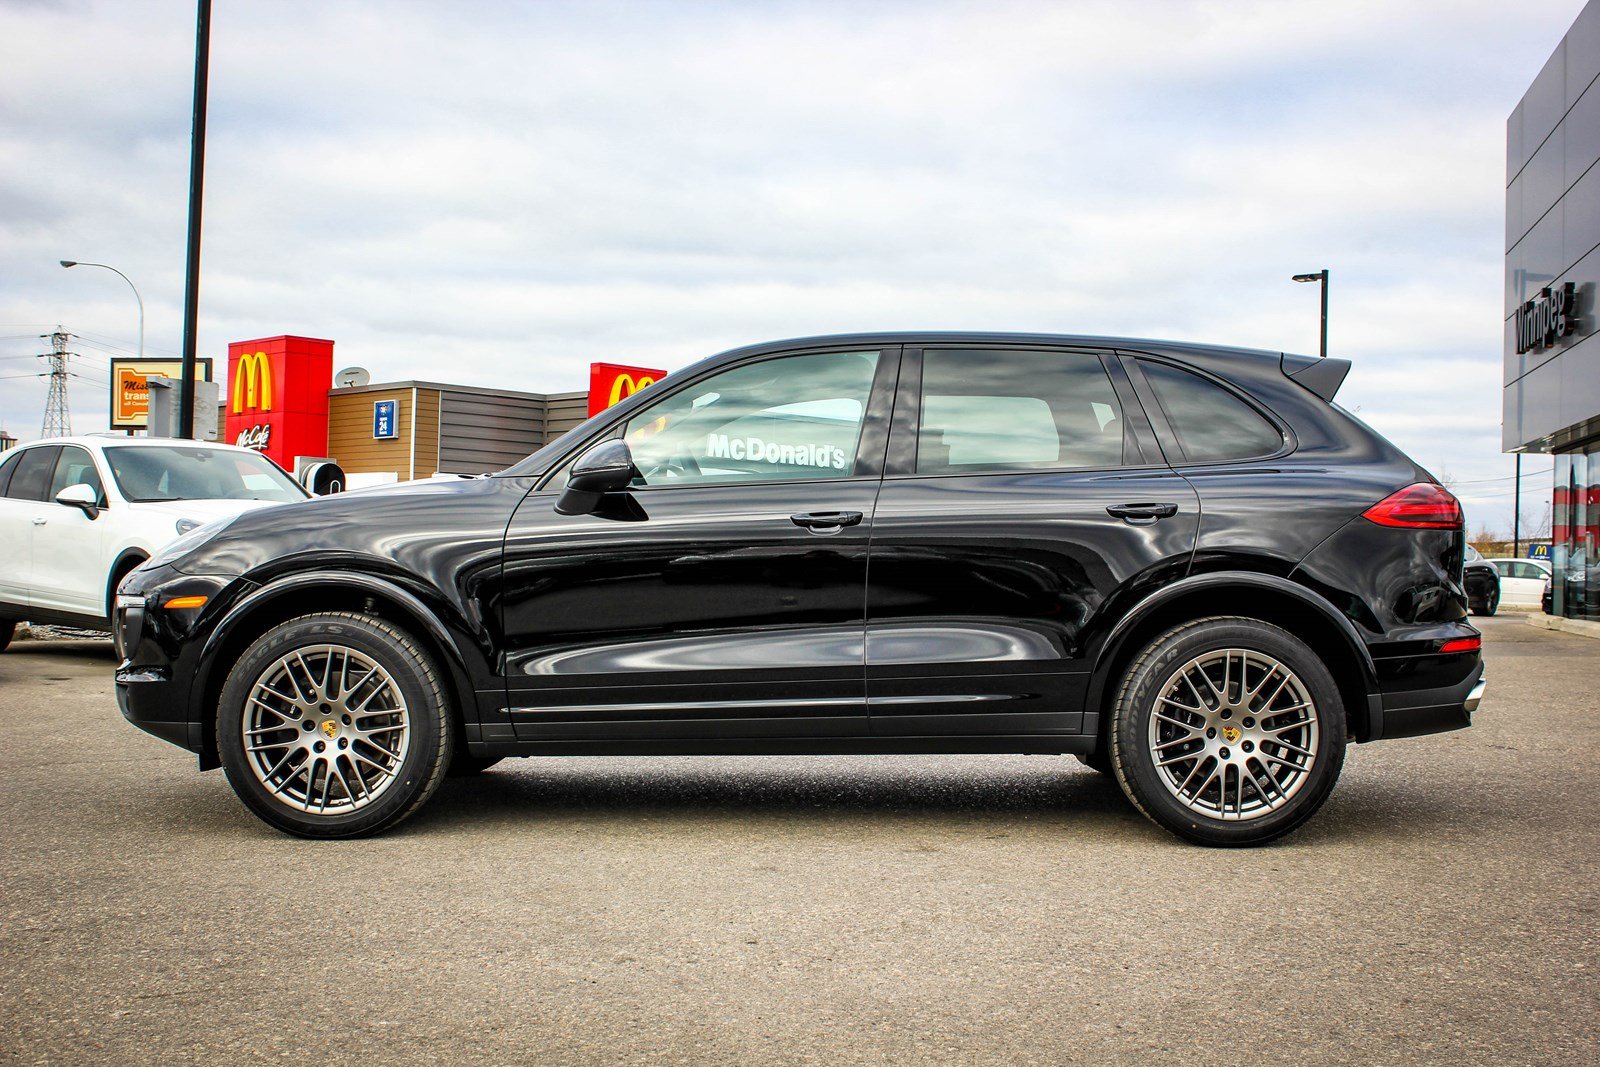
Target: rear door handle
(41,521)
(826,521)
(1142,514)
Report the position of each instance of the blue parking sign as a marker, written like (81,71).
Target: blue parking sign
(385,419)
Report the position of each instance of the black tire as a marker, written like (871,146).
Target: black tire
(428,738)
(8,630)
(465,765)
(1158,670)
(1098,760)
(1493,605)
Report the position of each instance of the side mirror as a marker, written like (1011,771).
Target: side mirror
(605,468)
(82,497)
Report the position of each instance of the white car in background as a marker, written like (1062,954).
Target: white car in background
(1522,581)
(78,513)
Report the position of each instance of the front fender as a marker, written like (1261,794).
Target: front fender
(416,614)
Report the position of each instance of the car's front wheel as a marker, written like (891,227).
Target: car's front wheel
(1228,731)
(334,725)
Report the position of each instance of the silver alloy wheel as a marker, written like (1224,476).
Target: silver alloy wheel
(325,729)
(1234,734)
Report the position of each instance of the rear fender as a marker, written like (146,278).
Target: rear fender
(1264,596)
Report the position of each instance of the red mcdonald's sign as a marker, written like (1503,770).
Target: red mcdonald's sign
(610,383)
(276,396)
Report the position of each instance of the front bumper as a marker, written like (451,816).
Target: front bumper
(159,646)
(147,699)
(1414,712)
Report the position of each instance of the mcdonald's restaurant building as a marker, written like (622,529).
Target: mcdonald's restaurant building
(280,397)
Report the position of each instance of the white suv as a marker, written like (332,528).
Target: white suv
(78,513)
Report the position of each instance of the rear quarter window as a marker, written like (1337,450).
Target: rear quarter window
(1212,425)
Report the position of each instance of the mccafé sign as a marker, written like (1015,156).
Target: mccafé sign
(277,396)
(612,383)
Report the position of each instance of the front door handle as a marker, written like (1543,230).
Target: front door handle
(826,521)
(41,521)
(1141,514)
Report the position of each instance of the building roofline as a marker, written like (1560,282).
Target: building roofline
(445,387)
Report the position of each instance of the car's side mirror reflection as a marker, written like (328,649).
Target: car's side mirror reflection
(81,496)
(605,468)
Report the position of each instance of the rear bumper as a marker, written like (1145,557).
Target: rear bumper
(1413,712)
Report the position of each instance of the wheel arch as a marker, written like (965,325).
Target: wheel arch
(126,561)
(1300,611)
(287,598)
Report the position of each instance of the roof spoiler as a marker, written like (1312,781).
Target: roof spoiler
(1321,376)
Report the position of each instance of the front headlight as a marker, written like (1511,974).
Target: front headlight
(190,541)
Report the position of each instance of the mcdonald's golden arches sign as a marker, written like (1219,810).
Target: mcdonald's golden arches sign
(612,383)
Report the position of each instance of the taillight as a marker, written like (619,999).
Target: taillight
(1462,644)
(1423,506)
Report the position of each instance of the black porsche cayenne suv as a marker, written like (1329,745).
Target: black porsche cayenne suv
(1182,564)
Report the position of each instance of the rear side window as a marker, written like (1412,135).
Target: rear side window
(7,465)
(30,475)
(1213,425)
(998,410)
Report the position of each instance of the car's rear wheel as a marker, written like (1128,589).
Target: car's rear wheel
(334,725)
(8,630)
(1228,731)
(1490,604)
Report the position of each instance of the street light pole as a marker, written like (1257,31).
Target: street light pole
(124,277)
(1322,277)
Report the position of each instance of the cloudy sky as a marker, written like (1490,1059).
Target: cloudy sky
(499,193)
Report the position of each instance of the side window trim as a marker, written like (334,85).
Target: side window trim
(1171,443)
(905,423)
(878,400)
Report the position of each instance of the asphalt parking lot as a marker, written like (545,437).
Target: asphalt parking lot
(1443,908)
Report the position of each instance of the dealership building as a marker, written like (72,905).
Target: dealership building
(1551,400)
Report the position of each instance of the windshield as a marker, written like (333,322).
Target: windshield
(194,472)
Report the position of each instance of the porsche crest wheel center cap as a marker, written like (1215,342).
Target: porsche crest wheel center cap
(1230,734)
(331,728)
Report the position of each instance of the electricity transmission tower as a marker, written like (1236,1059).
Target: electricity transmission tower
(57,417)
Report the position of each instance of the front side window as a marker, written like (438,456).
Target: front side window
(999,410)
(74,466)
(1212,424)
(191,472)
(796,417)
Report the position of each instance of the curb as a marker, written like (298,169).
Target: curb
(1581,627)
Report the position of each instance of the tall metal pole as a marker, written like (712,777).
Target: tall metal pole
(1324,312)
(1516,513)
(197,169)
(1321,277)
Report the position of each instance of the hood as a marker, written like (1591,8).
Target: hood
(388,525)
(203,511)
